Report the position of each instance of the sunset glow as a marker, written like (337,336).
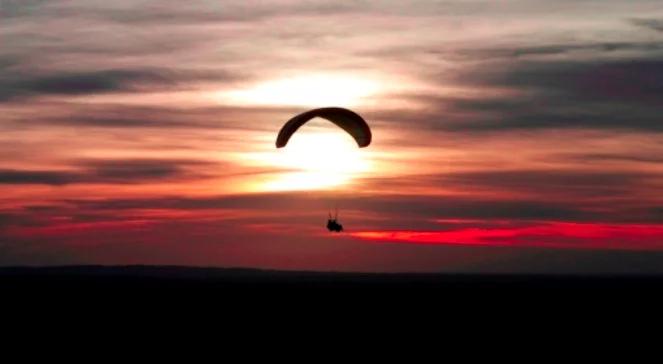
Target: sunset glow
(307,90)
(315,160)
(503,133)
(554,235)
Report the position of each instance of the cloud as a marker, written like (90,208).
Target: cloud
(120,171)
(652,24)
(525,52)
(550,235)
(644,157)
(7,219)
(117,115)
(563,183)
(635,80)
(21,83)
(11,9)
(90,82)
(657,213)
(516,75)
(173,12)
(474,208)
(266,201)
(395,206)
(54,178)
(606,95)
(532,194)
(107,172)
(545,194)
(256,221)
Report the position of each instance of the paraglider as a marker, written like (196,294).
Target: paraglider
(346,119)
(333,225)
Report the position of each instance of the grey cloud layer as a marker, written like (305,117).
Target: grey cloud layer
(19,83)
(523,52)
(653,24)
(106,171)
(114,115)
(549,94)
(612,85)
(399,207)
(605,88)
(174,12)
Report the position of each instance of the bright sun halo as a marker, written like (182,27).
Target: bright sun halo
(319,155)
(316,160)
(312,90)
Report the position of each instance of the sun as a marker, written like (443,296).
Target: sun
(307,90)
(315,160)
(320,155)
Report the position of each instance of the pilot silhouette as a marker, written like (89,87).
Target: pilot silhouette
(333,225)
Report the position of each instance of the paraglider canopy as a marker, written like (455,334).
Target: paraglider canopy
(348,120)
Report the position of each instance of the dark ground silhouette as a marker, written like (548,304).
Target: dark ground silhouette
(279,299)
(104,278)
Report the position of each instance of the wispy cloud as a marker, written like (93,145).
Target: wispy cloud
(105,171)
(653,24)
(551,235)
(506,123)
(24,84)
(601,95)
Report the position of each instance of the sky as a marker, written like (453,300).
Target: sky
(508,136)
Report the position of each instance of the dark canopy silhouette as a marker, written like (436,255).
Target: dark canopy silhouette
(348,120)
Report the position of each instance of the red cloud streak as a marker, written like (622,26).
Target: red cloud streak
(551,235)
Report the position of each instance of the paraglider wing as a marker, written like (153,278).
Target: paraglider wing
(348,120)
